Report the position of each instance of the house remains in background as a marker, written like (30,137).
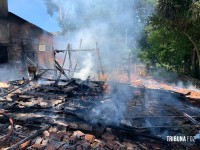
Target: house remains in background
(20,39)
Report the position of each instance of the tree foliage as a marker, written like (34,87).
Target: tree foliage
(173,36)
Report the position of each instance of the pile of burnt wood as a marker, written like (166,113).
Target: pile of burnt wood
(20,100)
(21,95)
(32,105)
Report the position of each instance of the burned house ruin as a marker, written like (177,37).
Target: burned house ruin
(125,108)
(20,39)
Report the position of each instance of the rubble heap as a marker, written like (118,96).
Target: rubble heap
(56,116)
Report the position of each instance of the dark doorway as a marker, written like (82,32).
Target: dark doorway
(3,54)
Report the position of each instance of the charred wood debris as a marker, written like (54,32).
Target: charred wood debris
(54,115)
(34,117)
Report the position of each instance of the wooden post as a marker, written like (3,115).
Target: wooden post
(77,58)
(99,60)
(70,59)
(54,65)
(98,67)
(129,68)
(61,70)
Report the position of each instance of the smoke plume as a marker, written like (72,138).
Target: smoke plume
(116,26)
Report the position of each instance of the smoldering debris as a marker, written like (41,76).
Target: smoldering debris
(96,107)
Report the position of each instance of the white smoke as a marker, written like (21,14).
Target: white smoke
(116,26)
(86,69)
(7,73)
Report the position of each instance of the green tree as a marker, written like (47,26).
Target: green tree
(174,36)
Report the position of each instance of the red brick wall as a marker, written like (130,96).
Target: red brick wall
(4,32)
(25,40)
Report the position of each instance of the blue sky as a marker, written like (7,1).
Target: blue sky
(35,12)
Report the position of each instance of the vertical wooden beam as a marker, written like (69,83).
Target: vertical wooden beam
(99,60)
(78,57)
(70,59)
(62,70)
(129,68)
(54,65)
